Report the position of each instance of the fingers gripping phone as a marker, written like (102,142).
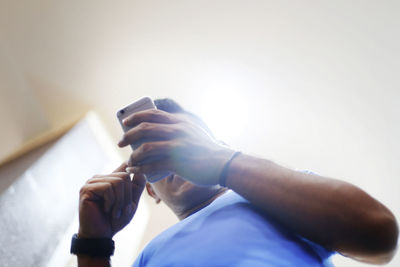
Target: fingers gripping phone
(141,104)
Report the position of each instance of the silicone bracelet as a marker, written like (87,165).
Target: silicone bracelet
(224,173)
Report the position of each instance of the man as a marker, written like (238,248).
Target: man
(235,209)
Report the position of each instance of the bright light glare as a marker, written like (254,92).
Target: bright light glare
(226,113)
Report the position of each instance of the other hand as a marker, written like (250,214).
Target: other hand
(107,203)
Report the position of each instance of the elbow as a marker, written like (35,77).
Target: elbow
(380,238)
(388,238)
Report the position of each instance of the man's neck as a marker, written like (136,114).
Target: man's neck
(203,204)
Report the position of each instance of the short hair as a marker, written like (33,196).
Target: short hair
(168,105)
(171,106)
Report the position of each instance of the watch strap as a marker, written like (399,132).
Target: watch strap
(93,247)
(224,172)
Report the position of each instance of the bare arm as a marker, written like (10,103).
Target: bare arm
(330,212)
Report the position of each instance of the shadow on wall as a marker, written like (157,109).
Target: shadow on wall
(39,194)
(20,113)
(59,106)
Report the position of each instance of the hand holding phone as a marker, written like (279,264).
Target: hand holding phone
(141,104)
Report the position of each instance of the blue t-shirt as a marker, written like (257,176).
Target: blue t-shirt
(230,232)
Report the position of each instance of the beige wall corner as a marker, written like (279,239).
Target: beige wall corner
(21,116)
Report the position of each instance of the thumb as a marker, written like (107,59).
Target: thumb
(121,168)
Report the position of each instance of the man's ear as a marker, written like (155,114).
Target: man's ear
(151,193)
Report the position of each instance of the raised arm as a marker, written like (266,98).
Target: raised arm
(330,212)
(107,204)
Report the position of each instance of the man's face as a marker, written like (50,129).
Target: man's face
(179,194)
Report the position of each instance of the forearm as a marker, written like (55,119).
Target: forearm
(85,261)
(107,204)
(330,212)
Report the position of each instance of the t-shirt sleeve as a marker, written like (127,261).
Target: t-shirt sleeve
(139,261)
(322,252)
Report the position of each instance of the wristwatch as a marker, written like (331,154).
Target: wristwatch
(93,247)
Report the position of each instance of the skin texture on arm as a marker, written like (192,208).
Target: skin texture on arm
(107,204)
(330,212)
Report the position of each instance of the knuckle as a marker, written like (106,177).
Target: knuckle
(84,193)
(126,177)
(131,160)
(82,190)
(123,176)
(131,118)
(180,129)
(118,179)
(118,173)
(125,136)
(115,180)
(92,180)
(153,113)
(145,126)
(146,147)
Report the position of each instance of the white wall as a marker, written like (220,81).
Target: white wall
(20,114)
(319,77)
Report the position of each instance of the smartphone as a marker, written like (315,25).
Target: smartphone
(141,104)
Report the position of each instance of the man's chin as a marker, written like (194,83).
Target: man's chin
(185,188)
(181,186)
